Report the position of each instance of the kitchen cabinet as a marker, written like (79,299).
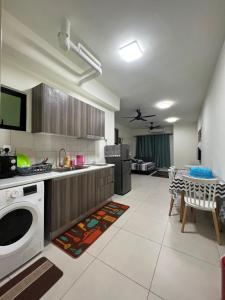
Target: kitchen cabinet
(56,112)
(74,113)
(95,122)
(49,110)
(71,197)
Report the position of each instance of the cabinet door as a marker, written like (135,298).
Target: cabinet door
(90,121)
(95,122)
(104,185)
(83,119)
(91,190)
(74,116)
(74,198)
(82,194)
(49,110)
(86,188)
(102,123)
(60,203)
(55,109)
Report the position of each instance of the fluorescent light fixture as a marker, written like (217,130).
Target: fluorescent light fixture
(172,119)
(164,104)
(131,52)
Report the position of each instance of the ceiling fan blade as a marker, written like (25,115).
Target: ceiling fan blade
(149,116)
(142,119)
(132,120)
(127,117)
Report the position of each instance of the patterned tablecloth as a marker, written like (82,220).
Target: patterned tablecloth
(178,186)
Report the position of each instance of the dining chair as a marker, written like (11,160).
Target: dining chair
(172,173)
(200,194)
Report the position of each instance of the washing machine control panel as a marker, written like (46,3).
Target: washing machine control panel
(29,192)
(10,195)
(14,194)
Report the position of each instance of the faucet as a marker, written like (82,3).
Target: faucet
(61,164)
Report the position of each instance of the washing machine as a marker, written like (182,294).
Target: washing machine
(21,225)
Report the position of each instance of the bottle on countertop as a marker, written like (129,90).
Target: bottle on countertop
(68,161)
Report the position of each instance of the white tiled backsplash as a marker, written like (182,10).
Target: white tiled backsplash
(38,146)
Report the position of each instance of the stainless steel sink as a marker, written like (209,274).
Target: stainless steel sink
(66,169)
(97,164)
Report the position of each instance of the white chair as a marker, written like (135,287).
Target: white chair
(172,173)
(200,194)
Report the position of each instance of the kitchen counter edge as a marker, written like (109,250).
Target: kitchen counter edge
(23,180)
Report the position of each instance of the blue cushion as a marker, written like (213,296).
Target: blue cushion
(201,172)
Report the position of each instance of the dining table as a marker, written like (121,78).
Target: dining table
(177,186)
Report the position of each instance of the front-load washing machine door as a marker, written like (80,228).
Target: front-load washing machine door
(18,223)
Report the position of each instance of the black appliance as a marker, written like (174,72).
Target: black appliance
(119,155)
(7,166)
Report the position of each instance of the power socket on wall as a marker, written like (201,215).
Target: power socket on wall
(6,148)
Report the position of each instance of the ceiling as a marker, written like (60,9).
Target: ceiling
(181,41)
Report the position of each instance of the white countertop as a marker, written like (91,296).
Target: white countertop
(22,180)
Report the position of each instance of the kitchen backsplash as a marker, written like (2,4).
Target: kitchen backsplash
(38,146)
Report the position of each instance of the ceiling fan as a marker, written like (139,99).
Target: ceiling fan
(151,127)
(139,116)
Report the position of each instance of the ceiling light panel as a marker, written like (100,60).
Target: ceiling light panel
(164,104)
(131,52)
(172,119)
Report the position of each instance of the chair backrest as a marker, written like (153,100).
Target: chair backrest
(200,191)
(172,173)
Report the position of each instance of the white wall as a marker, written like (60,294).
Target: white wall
(185,144)
(212,120)
(23,74)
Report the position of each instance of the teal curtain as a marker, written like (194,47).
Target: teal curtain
(155,148)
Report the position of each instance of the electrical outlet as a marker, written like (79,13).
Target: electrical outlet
(7,147)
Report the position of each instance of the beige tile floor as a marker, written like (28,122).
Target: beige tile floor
(143,255)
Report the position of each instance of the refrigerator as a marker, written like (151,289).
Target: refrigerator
(119,155)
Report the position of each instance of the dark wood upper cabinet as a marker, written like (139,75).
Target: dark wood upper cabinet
(74,114)
(56,112)
(95,122)
(49,110)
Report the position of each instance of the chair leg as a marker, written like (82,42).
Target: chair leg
(171,205)
(219,222)
(182,204)
(216,225)
(184,218)
(194,214)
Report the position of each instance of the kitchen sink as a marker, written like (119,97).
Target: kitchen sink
(66,169)
(97,164)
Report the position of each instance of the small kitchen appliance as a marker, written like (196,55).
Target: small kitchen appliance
(7,166)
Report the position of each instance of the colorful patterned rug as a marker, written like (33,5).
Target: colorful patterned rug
(79,237)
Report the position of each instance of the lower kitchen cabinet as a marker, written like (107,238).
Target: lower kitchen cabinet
(71,197)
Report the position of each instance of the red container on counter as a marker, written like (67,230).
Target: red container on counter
(80,160)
